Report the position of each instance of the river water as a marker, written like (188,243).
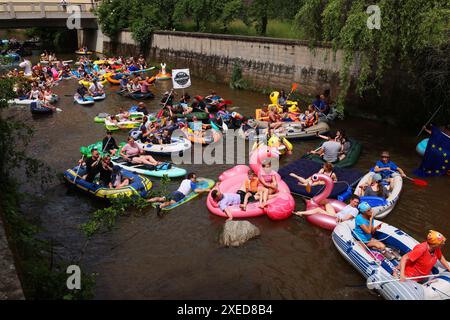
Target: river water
(178,256)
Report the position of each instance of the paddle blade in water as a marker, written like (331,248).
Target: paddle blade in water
(419,182)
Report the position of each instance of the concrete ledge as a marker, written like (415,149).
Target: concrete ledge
(230,37)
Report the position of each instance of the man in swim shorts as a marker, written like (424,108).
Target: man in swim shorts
(187,186)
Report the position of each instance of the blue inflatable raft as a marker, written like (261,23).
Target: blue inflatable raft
(347,178)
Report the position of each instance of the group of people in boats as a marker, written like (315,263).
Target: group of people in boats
(259,187)
(288,111)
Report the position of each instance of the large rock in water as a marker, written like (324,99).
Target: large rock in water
(236,233)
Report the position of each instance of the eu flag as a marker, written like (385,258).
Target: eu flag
(436,160)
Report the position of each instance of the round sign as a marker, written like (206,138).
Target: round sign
(181,78)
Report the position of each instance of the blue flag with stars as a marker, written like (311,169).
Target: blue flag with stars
(436,160)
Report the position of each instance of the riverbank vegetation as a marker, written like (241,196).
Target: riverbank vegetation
(42,272)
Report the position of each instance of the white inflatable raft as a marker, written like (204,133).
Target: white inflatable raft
(178,145)
(382,207)
(294,130)
(85,101)
(375,267)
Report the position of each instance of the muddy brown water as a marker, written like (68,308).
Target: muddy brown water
(178,256)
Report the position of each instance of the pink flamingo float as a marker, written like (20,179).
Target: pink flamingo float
(279,207)
(323,220)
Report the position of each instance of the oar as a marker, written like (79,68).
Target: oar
(371,285)
(417,182)
(79,166)
(434,114)
(160,113)
(293,88)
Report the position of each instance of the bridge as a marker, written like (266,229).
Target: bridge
(26,14)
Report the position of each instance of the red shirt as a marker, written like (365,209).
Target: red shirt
(421,260)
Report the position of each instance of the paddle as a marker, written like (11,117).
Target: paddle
(79,166)
(417,182)
(434,114)
(293,88)
(372,285)
(160,113)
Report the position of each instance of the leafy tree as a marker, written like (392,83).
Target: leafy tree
(407,29)
(230,11)
(113,16)
(259,12)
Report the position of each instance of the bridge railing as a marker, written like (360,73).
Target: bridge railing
(24,10)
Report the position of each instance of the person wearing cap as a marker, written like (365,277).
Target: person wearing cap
(374,189)
(421,259)
(385,166)
(364,227)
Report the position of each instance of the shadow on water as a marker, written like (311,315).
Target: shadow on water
(178,256)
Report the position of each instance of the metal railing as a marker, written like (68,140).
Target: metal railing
(39,10)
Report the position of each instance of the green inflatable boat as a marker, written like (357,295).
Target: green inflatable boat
(86,151)
(348,161)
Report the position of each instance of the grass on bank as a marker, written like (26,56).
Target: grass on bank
(275,29)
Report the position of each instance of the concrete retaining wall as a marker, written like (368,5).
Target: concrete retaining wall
(265,62)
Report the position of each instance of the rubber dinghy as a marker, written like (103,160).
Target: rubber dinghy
(37,108)
(139,186)
(100,118)
(178,145)
(87,101)
(347,178)
(153,171)
(100,97)
(204,183)
(375,267)
(124,124)
(202,137)
(278,208)
(26,102)
(381,207)
(294,130)
(350,159)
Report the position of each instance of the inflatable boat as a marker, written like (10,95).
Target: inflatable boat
(178,145)
(87,101)
(350,159)
(381,207)
(100,118)
(153,171)
(203,183)
(139,186)
(100,97)
(202,137)
(294,130)
(124,124)
(37,108)
(347,178)
(278,208)
(377,268)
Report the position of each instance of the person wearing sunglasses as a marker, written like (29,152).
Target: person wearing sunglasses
(385,167)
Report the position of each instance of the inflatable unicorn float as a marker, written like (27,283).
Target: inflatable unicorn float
(163,75)
(279,207)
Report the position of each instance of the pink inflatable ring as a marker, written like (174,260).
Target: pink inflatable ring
(278,208)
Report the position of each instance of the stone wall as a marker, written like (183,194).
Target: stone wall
(265,62)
